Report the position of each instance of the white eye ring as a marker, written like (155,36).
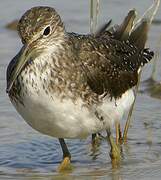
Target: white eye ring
(46,31)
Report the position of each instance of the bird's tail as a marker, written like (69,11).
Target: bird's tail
(134,28)
(139,35)
(147,55)
(122,32)
(140,29)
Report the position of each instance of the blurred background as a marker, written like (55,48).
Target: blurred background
(27,154)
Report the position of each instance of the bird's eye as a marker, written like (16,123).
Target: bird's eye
(46,31)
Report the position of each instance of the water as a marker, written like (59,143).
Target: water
(28,155)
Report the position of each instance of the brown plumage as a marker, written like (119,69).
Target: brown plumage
(108,61)
(68,85)
(110,65)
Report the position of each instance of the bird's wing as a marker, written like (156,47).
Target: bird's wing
(111,66)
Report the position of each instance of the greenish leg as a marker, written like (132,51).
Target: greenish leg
(119,139)
(115,151)
(95,140)
(66,163)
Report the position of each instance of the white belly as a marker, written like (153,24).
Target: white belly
(65,119)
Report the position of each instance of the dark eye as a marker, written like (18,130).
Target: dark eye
(46,31)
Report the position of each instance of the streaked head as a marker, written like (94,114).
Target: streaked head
(39,23)
(39,28)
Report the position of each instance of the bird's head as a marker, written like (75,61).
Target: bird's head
(39,28)
(40,24)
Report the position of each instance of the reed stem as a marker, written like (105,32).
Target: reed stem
(94,11)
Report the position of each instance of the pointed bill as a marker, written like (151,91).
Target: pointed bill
(16,65)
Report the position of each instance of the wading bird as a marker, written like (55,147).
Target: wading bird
(68,85)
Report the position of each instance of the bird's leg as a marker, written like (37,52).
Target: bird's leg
(95,144)
(128,121)
(118,133)
(95,140)
(115,151)
(65,164)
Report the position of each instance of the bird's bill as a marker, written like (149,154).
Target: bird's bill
(21,59)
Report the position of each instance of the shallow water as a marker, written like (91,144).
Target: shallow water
(29,155)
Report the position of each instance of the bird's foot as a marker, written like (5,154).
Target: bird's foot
(115,152)
(65,165)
